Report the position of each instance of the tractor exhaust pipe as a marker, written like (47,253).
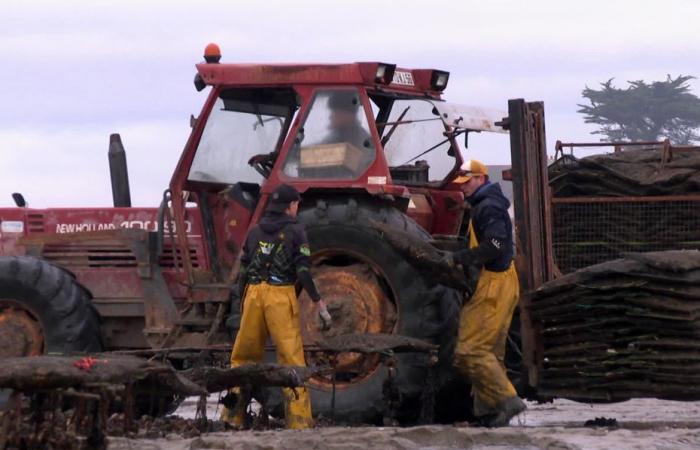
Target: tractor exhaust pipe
(121,194)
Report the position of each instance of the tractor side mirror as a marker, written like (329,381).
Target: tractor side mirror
(19,200)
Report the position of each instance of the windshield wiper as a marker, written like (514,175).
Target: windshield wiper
(454,134)
(404,122)
(386,138)
(261,122)
(427,151)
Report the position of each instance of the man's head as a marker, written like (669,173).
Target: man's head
(343,106)
(471,176)
(285,199)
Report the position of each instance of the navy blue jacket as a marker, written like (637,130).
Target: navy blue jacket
(493,229)
(277,251)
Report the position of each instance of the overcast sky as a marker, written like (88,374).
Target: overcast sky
(75,71)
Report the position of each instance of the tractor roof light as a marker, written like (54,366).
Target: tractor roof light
(212,54)
(384,73)
(439,79)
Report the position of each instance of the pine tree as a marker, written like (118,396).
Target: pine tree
(644,111)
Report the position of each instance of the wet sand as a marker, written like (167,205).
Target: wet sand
(643,424)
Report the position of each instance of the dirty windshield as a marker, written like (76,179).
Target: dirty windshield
(242,124)
(414,132)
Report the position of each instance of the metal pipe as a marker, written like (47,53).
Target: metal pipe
(627,199)
(560,145)
(119,174)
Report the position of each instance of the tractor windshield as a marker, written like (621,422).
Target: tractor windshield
(413,132)
(243,123)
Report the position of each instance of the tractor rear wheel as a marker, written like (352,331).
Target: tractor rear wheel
(370,288)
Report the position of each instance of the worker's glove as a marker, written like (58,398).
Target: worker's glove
(448,260)
(326,320)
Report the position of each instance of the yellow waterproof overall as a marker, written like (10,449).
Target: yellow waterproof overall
(483,330)
(274,310)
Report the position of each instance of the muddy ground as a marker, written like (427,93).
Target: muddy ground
(642,424)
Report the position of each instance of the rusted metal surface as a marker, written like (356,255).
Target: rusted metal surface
(559,146)
(534,259)
(358,304)
(375,343)
(21,333)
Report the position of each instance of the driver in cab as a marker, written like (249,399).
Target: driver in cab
(344,123)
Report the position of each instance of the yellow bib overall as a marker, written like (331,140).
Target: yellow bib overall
(274,310)
(483,330)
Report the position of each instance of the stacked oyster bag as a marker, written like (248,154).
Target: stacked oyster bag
(622,329)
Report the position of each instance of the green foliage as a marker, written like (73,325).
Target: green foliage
(644,111)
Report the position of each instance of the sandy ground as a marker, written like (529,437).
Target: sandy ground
(643,424)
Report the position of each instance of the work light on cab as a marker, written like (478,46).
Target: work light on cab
(384,73)
(438,80)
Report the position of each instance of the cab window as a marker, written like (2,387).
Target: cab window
(335,141)
(243,123)
(414,137)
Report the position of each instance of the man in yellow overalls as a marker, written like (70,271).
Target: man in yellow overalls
(485,318)
(275,255)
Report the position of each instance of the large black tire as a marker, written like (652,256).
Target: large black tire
(426,310)
(61,305)
(68,321)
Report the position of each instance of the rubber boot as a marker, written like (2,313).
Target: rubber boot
(234,411)
(508,409)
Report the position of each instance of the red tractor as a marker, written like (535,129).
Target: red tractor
(362,142)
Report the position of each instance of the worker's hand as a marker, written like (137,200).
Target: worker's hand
(324,315)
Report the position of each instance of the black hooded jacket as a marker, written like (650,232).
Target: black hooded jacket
(493,229)
(277,252)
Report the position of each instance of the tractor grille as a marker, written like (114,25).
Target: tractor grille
(174,259)
(85,255)
(35,223)
(589,231)
(106,256)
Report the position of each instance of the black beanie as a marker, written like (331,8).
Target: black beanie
(282,197)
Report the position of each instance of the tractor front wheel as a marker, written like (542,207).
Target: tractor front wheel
(44,310)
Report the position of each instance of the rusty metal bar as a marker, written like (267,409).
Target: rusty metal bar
(627,199)
(561,145)
(531,195)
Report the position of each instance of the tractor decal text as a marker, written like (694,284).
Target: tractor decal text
(403,78)
(149,225)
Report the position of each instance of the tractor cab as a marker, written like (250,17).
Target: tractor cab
(368,129)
